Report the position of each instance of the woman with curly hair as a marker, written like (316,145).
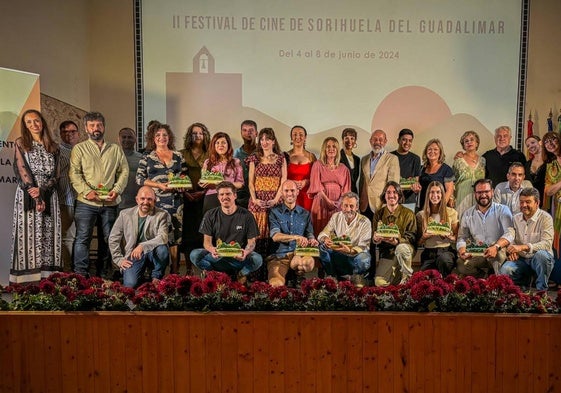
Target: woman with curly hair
(154,170)
(552,199)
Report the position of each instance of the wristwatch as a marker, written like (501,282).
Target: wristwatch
(498,246)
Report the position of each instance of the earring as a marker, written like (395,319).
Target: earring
(354,146)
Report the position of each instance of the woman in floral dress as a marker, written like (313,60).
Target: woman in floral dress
(154,169)
(36,231)
(267,171)
(468,167)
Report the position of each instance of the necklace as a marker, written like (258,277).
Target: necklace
(471,159)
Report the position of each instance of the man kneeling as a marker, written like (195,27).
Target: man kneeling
(144,230)
(229,233)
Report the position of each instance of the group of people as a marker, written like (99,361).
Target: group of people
(278,213)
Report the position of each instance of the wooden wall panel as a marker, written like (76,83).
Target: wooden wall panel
(278,352)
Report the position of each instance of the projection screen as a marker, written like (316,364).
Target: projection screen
(437,67)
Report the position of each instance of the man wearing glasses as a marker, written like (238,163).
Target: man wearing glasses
(69,136)
(486,229)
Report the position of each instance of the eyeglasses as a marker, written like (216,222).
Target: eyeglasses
(69,131)
(482,192)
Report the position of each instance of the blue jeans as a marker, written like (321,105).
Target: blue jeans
(337,264)
(521,270)
(85,217)
(158,257)
(202,259)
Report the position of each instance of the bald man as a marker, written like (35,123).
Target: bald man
(144,230)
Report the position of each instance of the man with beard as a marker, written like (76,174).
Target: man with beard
(140,238)
(228,224)
(249,135)
(377,168)
(99,173)
(488,226)
(508,192)
(531,252)
(290,226)
(348,260)
(397,250)
(409,166)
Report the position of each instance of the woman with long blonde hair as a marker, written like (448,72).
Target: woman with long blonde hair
(328,181)
(438,252)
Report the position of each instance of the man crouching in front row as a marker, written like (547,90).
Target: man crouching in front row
(229,234)
(144,230)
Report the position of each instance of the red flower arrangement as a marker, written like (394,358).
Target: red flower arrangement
(425,291)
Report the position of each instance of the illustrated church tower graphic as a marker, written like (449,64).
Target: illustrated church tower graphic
(203,94)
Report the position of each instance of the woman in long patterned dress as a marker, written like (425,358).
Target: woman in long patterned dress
(195,152)
(329,180)
(221,159)
(468,167)
(267,171)
(36,231)
(154,169)
(299,165)
(552,143)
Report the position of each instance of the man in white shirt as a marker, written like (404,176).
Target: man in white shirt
(531,252)
(346,261)
(508,192)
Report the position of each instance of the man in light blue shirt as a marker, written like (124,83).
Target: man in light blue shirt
(290,226)
(487,225)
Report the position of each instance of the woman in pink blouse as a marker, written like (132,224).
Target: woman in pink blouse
(220,159)
(328,181)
